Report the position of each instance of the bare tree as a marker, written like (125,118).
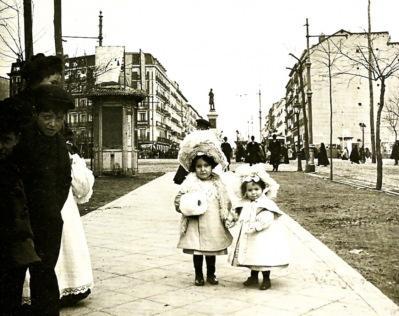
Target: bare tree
(327,54)
(10,31)
(391,115)
(384,65)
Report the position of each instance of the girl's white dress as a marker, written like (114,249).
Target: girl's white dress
(73,269)
(261,243)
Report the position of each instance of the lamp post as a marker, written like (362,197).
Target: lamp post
(297,110)
(362,126)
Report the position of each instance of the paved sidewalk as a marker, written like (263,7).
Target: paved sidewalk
(139,271)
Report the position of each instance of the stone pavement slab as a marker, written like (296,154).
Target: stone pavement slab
(139,271)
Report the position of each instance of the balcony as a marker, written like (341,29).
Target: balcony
(143,138)
(163,125)
(143,123)
(164,140)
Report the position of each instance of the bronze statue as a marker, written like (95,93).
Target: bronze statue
(211,101)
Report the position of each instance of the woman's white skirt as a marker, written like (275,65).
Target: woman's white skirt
(73,269)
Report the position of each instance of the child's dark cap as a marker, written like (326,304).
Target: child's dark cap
(52,98)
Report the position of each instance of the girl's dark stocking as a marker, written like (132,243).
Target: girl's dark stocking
(199,277)
(266,281)
(253,279)
(198,260)
(210,265)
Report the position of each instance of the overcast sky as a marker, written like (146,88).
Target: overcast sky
(235,47)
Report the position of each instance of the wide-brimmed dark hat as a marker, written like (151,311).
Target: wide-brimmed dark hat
(49,97)
(201,123)
(40,67)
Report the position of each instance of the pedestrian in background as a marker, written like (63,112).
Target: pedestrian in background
(16,237)
(362,155)
(227,150)
(354,156)
(395,152)
(322,159)
(43,159)
(367,153)
(345,154)
(253,152)
(204,204)
(275,151)
(284,154)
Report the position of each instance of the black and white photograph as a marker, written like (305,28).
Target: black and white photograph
(199,157)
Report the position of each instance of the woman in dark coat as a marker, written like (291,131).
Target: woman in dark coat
(322,156)
(275,151)
(254,152)
(354,156)
(395,152)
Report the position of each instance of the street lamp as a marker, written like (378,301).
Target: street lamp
(297,110)
(362,126)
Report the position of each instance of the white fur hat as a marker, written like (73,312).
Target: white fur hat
(193,204)
(255,172)
(201,142)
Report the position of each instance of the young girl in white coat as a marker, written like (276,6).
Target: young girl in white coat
(261,243)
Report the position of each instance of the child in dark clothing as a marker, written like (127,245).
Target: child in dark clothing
(16,243)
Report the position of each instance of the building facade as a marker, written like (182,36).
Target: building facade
(276,120)
(350,91)
(163,118)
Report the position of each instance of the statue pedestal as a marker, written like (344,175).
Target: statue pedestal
(212,118)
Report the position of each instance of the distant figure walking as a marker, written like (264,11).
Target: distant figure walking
(362,155)
(345,154)
(367,153)
(275,151)
(354,157)
(322,158)
(227,150)
(395,152)
(254,154)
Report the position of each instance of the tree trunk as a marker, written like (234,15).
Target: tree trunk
(59,51)
(370,60)
(305,118)
(378,140)
(28,29)
(331,121)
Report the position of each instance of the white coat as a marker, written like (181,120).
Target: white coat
(261,239)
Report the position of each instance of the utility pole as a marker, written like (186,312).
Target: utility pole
(309,83)
(100,29)
(260,116)
(59,51)
(310,167)
(28,29)
(371,91)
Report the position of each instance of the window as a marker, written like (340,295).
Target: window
(142,117)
